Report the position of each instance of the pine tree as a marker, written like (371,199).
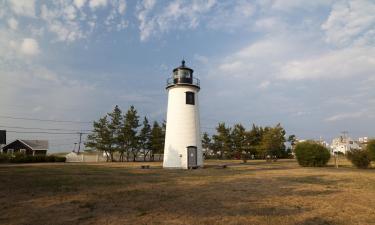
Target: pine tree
(157,140)
(100,138)
(206,143)
(114,128)
(145,139)
(238,139)
(222,141)
(273,141)
(253,139)
(128,135)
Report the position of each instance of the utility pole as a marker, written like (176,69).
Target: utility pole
(79,144)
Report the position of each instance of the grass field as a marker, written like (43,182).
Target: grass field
(122,193)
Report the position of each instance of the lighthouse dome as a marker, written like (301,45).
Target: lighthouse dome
(182,75)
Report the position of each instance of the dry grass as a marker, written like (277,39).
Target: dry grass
(121,193)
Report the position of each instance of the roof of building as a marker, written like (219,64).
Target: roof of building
(36,144)
(183,67)
(33,144)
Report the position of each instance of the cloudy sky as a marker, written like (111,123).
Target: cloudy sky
(309,65)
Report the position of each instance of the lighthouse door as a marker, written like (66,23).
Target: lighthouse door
(192,156)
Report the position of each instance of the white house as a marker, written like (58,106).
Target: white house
(344,144)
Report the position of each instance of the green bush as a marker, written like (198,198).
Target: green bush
(60,159)
(22,158)
(4,158)
(359,158)
(309,153)
(371,149)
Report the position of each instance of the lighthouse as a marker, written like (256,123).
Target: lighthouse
(183,146)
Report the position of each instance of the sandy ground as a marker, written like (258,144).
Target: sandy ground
(122,193)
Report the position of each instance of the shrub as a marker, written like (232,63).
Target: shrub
(4,158)
(60,159)
(50,158)
(311,154)
(371,148)
(359,158)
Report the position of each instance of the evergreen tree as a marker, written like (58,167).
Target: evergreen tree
(206,143)
(239,141)
(292,140)
(222,141)
(253,139)
(100,138)
(157,140)
(114,127)
(273,141)
(145,138)
(129,136)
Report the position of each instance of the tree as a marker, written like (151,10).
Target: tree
(292,140)
(253,139)
(238,136)
(128,135)
(371,148)
(114,128)
(222,141)
(145,138)
(273,140)
(157,140)
(100,138)
(206,143)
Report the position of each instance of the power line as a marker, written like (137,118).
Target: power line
(40,132)
(35,128)
(44,120)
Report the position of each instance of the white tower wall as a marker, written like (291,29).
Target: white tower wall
(183,128)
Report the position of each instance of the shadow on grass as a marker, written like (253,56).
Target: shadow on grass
(317,221)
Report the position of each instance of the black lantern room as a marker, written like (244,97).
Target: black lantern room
(182,75)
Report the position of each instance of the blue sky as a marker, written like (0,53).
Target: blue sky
(309,65)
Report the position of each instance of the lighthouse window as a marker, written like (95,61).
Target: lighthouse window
(190,98)
(184,74)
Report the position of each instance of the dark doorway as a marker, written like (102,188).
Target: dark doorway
(192,157)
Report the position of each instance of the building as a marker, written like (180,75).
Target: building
(344,144)
(28,147)
(183,147)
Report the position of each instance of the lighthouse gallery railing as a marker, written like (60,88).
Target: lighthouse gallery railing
(171,81)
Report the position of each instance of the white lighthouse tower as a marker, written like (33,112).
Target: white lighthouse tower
(183,146)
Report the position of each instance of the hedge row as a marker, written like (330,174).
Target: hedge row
(22,158)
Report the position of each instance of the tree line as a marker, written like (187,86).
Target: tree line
(239,143)
(123,134)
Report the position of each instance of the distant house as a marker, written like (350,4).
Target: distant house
(28,147)
(344,144)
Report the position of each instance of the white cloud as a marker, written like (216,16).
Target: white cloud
(70,12)
(23,7)
(264,84)
(79,3)
(97,3)
(176,15)
(345,116)
(351,62)
(122,6)
(145,26)
(231,15)
(289,5)
(349,21)
(29,46)
(13,23)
